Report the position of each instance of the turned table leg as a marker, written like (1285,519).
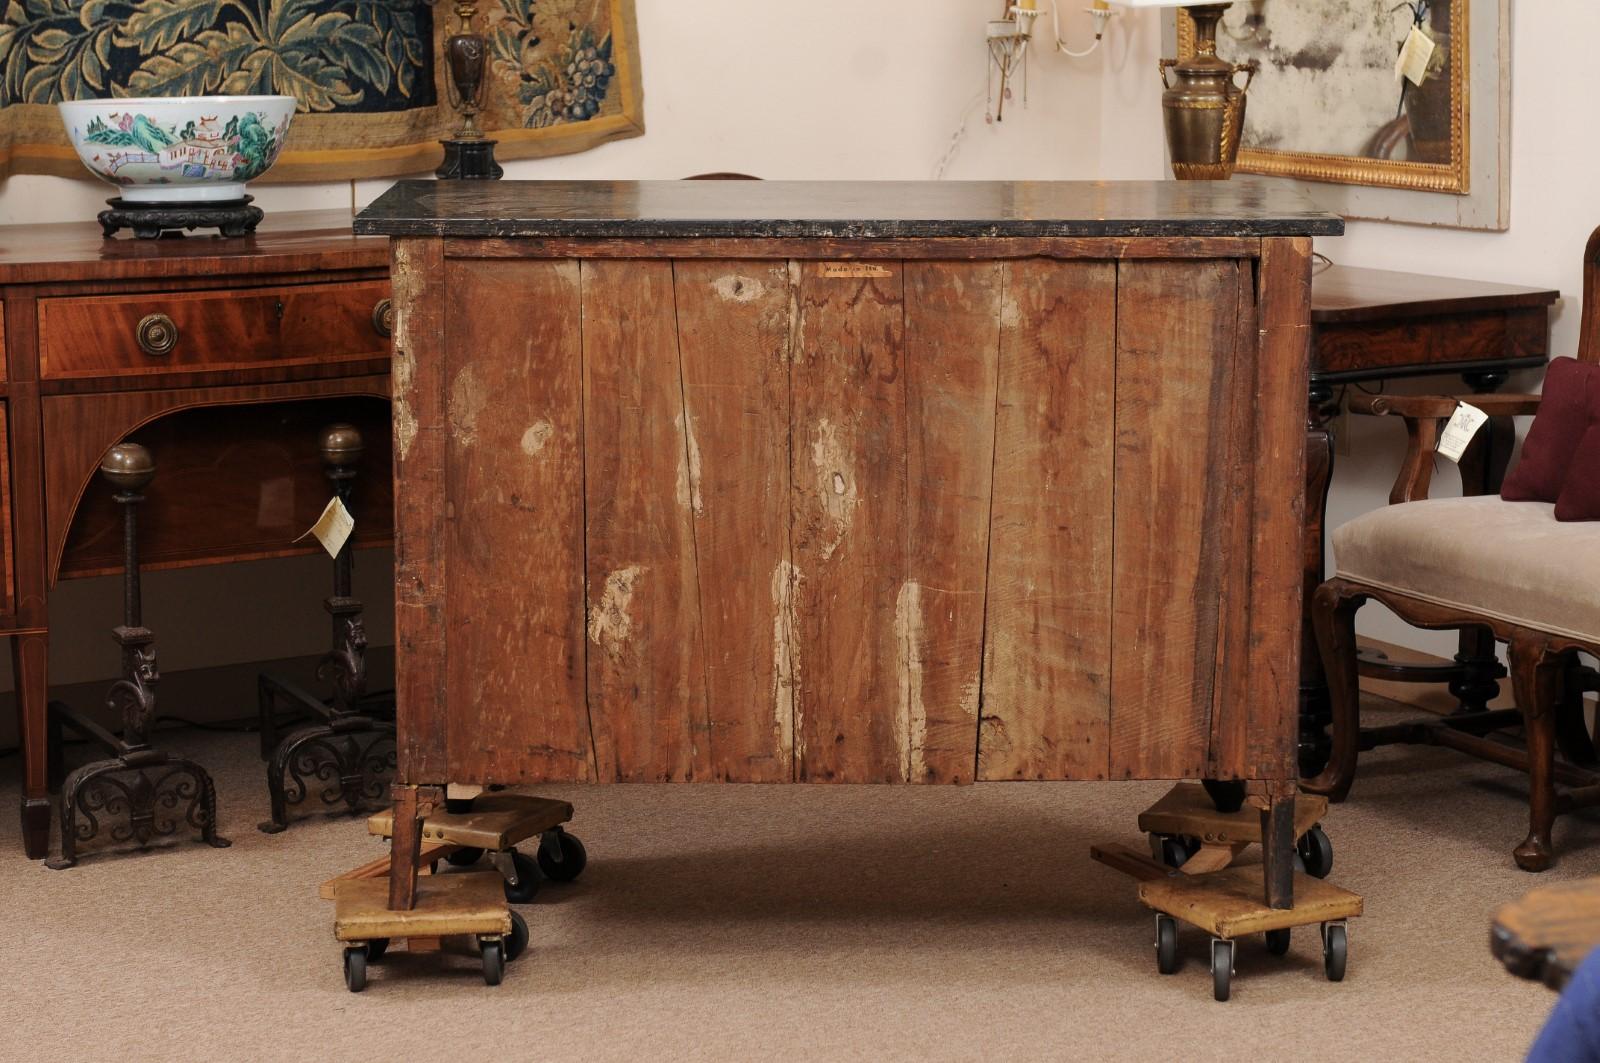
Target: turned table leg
(1314,712)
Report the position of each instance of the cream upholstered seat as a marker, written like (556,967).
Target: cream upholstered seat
(1510,561)
(1492,570)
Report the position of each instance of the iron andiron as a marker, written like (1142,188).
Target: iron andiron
(159,792)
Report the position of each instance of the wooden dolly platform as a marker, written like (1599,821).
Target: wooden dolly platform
(1187,830)
(470,904)
(1227,905)
(496,824)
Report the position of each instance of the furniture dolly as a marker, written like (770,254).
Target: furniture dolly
(1186,828)
(469,903)
(1193,828)
(496,824)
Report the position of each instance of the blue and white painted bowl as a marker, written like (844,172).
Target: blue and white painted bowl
(181,148)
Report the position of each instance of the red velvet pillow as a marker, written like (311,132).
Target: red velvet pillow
(1571,394)
(1580,495)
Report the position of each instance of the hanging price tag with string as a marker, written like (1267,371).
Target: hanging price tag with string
(1463,425)
(1417,51)
(333,527)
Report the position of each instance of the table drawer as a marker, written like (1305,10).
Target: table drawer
(242,328)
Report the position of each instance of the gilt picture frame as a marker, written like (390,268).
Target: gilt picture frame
(1326,109)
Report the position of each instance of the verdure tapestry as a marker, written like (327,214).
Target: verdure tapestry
(367,74)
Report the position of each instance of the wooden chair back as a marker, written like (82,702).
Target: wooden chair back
(1589,327)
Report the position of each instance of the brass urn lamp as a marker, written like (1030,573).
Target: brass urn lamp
(468,154)
(1203,104)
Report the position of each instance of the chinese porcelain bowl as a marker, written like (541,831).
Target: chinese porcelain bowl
(179,149)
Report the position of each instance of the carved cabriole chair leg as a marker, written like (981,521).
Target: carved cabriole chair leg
(1333,613)
(1536,677)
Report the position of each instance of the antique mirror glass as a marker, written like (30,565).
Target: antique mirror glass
(1327,104)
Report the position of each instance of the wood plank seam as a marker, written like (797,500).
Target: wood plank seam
(692,467)
(988,552)
(790,643)
(583,517)
(1111,516)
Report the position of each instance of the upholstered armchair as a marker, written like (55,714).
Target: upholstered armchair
(1509,569)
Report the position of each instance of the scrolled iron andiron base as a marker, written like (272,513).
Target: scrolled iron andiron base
(350,754)
(158,793)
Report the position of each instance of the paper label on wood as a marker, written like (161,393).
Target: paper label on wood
(856,269)
(1412,62)
(1460,429)
(333,527)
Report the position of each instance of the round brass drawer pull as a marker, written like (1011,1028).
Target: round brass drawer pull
(157,335)
(383,318)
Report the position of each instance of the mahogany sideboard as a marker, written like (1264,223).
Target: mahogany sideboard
(224,357)
(848,482)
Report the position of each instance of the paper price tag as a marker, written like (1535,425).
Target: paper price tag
(1412,63)
(1460,429)
(333,527)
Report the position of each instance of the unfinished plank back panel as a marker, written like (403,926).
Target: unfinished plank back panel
(646,662)
(1177,324)
(734,334)
(1047,671)
(513,508)
(848,520)
(953,314)
(1002,492)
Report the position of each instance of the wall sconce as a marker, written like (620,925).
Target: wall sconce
(1008,40)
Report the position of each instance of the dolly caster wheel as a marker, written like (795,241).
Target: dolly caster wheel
(561,856)
(1316,851)
(1278,942)
(1335,950)
(1166,944)
(1221,968)
(494,961)
(464,857)
(1173,850)
(517,940)
(376,948)
(355,968)
(528,879)
(1227,794)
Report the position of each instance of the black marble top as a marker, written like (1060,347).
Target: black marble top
(845,209)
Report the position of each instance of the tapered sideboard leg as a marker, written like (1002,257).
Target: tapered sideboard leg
(29,657)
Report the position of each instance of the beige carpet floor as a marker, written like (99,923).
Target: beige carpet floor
(795,923)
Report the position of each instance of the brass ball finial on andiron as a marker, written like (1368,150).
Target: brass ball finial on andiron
(468,155)
(1203,104)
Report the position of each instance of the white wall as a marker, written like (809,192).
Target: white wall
(814,89)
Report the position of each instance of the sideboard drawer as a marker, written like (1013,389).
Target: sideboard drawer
(244,328)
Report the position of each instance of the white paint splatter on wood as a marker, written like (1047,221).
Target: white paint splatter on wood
(611,620)
(785,663)
(537,435)
(468,397)
(405,422)
(911,723)
(836,487)
(738,288)
(688,488)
